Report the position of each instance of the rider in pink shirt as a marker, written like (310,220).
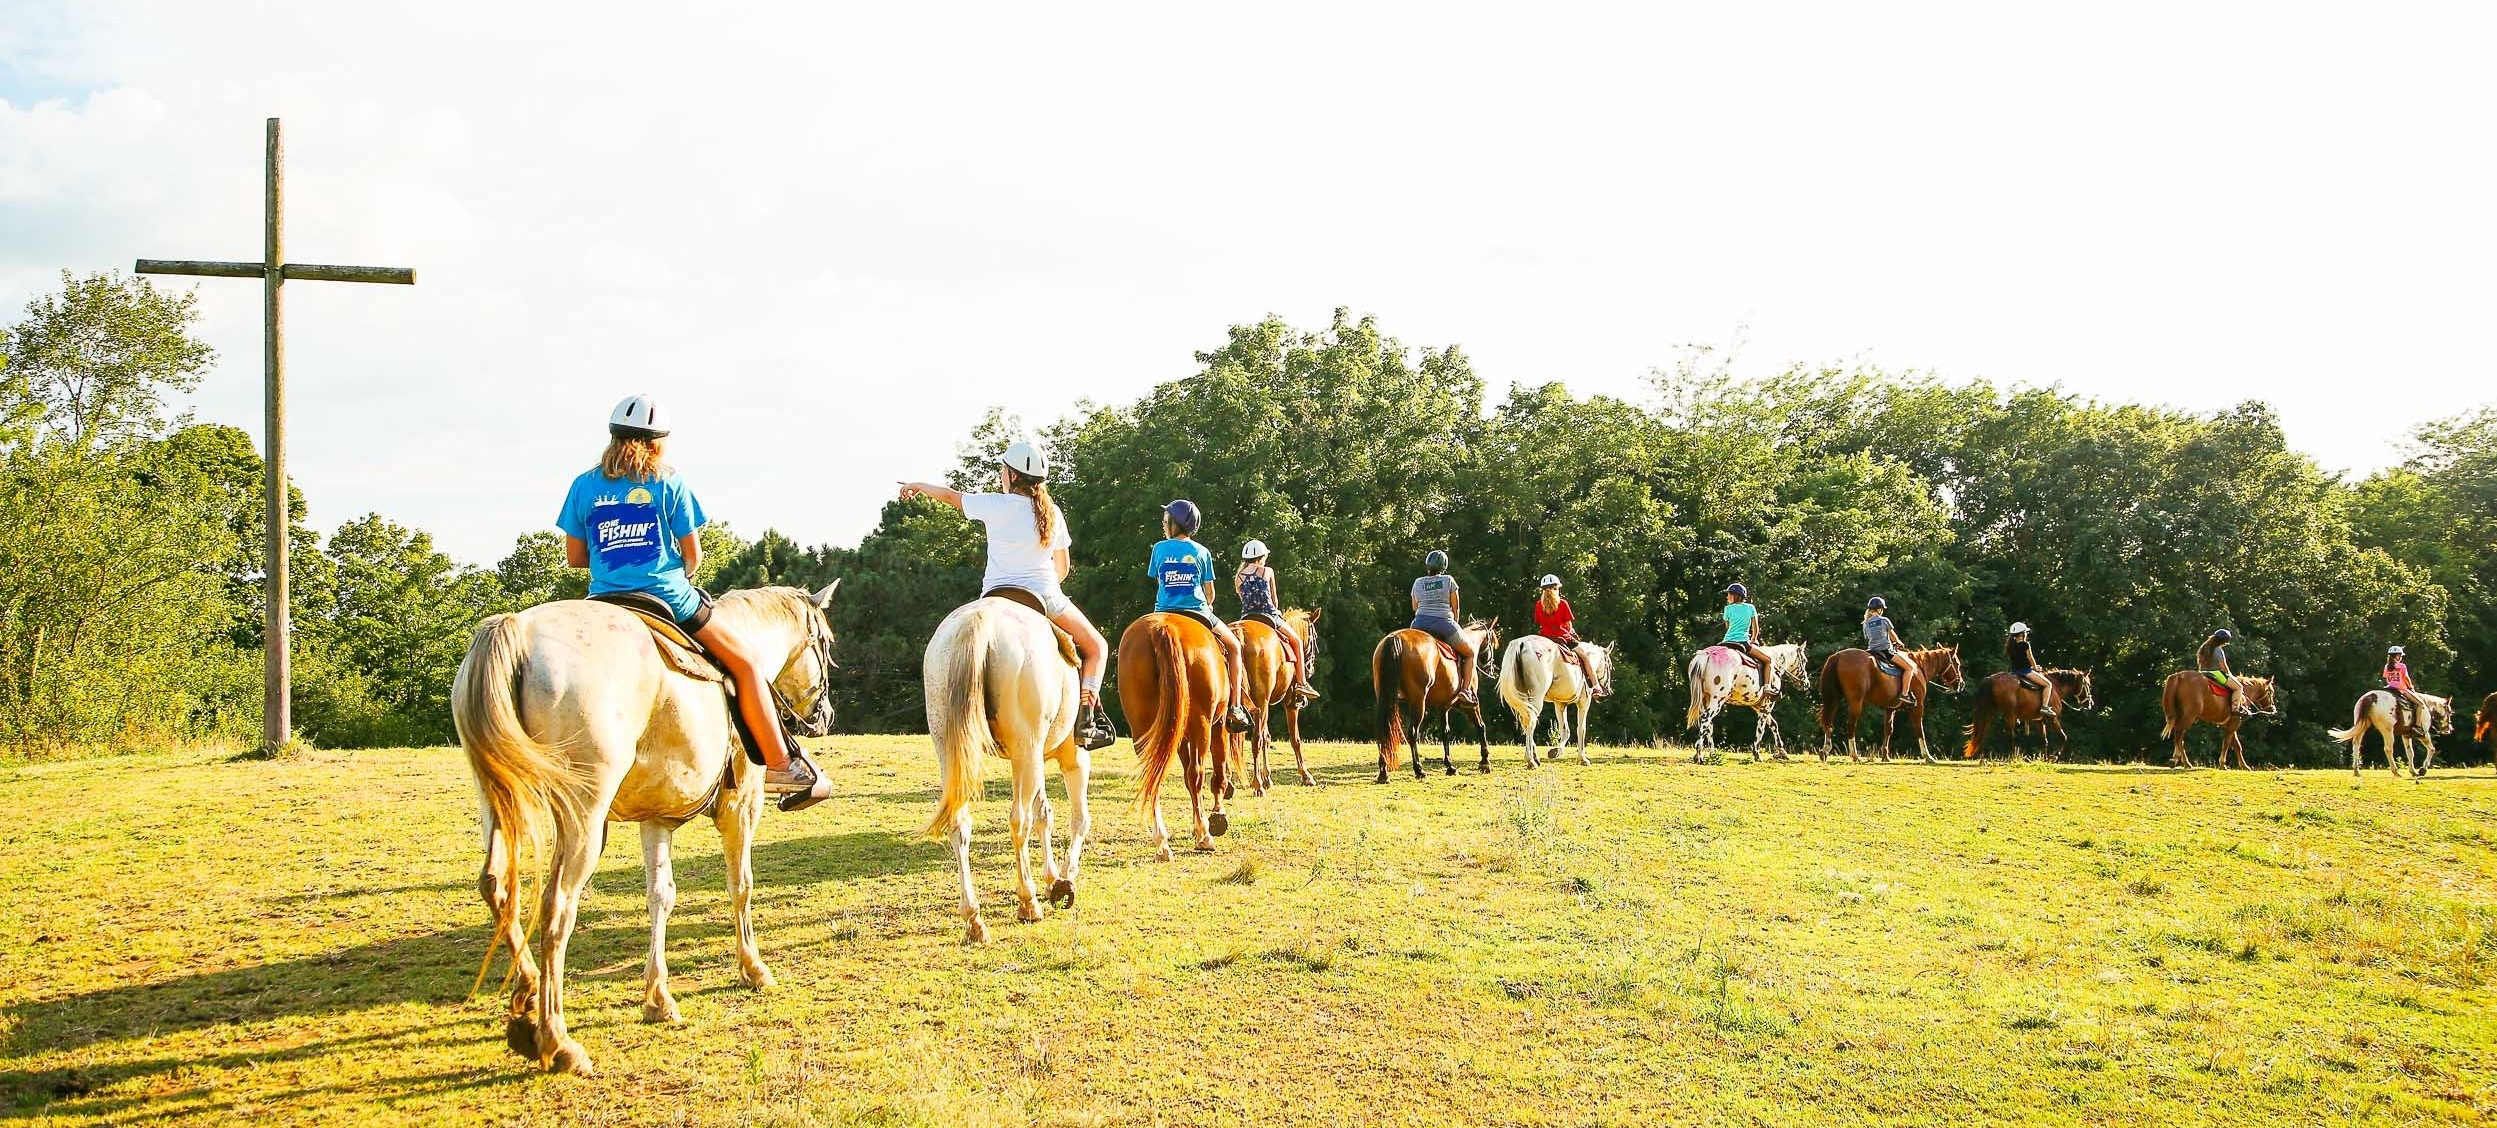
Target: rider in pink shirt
(2405,696)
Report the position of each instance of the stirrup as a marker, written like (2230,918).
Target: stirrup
(1236,719)
(1093,730)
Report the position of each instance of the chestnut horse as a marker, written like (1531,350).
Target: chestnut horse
(1853,677)
(2485,724)
(1410,666)
(2003,695)
(2190,698)
(1172,681)
(1270,678)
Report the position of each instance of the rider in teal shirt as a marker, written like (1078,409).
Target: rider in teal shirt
(1739,614)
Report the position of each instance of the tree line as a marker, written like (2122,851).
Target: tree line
(2121,532)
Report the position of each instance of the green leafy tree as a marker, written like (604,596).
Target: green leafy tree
(93,363)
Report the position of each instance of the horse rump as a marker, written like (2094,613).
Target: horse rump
(1387,678)
(957,697)
(1157,742)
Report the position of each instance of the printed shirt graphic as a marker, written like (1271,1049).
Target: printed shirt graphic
(1738,618)
(1179,569)
(631,529)
(2397,676)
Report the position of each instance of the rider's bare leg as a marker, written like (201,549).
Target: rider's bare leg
(1464,648)
(1300,663)
(1092,651)
(754,699)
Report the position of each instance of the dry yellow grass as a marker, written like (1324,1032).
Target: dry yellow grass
(1638,942)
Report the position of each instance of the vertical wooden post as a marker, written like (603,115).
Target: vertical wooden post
(277,703)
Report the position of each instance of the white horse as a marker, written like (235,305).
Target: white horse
(1720,677)
(1536,671)
(2374,713)
(1001,681)
(573,715)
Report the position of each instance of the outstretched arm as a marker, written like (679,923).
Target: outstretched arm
(952,497)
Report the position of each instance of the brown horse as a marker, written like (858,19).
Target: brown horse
(2190,698)
(2016,703)
(1270,678)
(1172,681)
(1410,666)
(2484,724)
(1853,677)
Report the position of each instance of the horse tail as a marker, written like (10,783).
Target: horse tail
(1980,715)
(1826,687)
(1387,677)
(958,720)
(2358,722)
(2169,708)
(530,788)
(1158,745)
(1698,672)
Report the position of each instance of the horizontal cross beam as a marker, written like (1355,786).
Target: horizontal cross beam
(395,275)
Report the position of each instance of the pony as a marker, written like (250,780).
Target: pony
(2484,723)
(1270,677)
(1853,676)
(2374,713)
(1409,666)
(1720,677)
(2190,697)
(1172,683)
(1000,681)
(1536,671)
(572,716)
(2005,696)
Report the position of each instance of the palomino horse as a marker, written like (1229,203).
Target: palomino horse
(1000,681)
(1852,675)
(1535,672)
(2003,695)
(2374,713)
(572,718)
(1270,678)
(1172,683)
(2190,697)
(1720,677)
(1411,667)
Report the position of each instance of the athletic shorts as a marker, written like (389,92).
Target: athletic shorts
(1445,630)
(1053,600)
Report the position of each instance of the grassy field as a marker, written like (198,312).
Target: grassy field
(1636,942)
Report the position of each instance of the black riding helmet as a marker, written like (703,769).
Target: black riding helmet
(2223,635)
(1436,562)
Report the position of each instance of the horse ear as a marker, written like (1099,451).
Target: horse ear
(1314,612)
(823,599)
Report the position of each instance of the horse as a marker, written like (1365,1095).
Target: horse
(572,716)
(2374,713)
(1536,671)
(1720,677)
(1853,675)
(1270,678)
(1000,681)
(2484,724)
(1411,666)
(2017,703)
(2189,697)
(1173,682)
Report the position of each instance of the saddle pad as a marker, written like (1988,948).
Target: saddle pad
(2217,686)
(1889,669)
(1066,642)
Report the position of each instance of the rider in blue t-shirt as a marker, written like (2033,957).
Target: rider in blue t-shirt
(1739,617)
(1183,578)
(1883,641)
(633,523)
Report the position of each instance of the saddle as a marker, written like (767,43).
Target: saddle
(1888,667)
(1011,594)
(679,652)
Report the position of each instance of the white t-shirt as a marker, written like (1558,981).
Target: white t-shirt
(1015,555)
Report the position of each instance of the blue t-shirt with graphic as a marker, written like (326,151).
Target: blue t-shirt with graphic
(631,529)
(1179,569)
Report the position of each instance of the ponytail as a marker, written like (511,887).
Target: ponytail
(1044,511)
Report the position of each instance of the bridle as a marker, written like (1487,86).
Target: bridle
(817,719)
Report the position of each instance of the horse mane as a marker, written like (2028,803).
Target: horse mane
(774,606)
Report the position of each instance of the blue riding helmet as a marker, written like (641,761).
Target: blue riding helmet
(1876,603)
(1184,516)
(1738,591)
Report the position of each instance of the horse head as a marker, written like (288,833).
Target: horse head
(2075,687)
(2440,714)
(1941,667)
(1486,634)
(2260,696)
(804,682)
(1304,623)
(1598,660)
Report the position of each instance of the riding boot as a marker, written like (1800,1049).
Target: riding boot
(1093,730)
(1236,719)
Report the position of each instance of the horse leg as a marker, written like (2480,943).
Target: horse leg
(568,877)
(1029,807)
(519,1025)
(1707,731)
(1889,727)
(1217,821)
(1195,775)
(974,931)
(1075,771)
(2179,759)
(1482,740)
(1447,738)
(1259,777)
(1292,725)
(737,818)
(1916,715)
(659,886)
(1855,731)
(1530,718)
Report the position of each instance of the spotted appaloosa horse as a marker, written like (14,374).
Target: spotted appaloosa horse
(2190,698)
(1853,677)
(1720,677)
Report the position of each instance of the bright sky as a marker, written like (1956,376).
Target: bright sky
(829,236)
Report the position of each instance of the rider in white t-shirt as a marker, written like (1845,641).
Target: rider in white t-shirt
(1027,549)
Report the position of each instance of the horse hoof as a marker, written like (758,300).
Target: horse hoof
(758,977)
(1382,778)
(1062,893)
(1028,913)
(571,1058)
(1205,846)
(522,1036)
(660,1015)
(976,934)
(1218,823)
(1308,780)
(1162,855)
(1227,792)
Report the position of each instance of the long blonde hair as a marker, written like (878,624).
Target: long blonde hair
(636,459)
(1044,511)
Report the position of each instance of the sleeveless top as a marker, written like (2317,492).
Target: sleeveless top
(1256,593)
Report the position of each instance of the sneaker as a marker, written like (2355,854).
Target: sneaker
(1093,730)
(1236,719)
(1907,700)
(799,785)
(1304,692)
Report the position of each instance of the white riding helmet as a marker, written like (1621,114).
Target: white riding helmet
(1026,460)
(636,418)
(2018,628)
(1253,550)
(1550,580)
(2395,650)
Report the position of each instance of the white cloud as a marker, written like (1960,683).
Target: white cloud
(833,236)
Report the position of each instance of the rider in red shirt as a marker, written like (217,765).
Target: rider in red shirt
(1554,620)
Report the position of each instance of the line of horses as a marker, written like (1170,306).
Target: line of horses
(577,714)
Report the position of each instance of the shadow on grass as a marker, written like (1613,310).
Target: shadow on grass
(66,1091)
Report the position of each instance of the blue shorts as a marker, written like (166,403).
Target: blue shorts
(1445,630)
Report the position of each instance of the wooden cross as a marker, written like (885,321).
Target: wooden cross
(277,712)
